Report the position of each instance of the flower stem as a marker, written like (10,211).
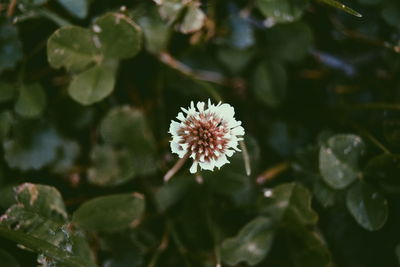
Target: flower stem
(178,165)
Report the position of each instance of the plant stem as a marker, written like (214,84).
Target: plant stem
(11,8)
(178,165)
(365,132)
(53,17)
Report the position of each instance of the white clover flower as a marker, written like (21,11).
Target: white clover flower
(208,135)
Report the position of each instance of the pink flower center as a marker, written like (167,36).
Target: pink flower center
(205,136)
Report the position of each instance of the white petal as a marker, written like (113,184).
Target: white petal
(184,146)
(180,116)
(176,138)
(227,136)
(238,130)
(229,152)
(221,161)
(234,123)
(182,153)
(233,143)
(207,165)
(193,168)
(200,106)
(226,111)
(174,127)
(175,147)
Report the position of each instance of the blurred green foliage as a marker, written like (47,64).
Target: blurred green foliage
(87,92)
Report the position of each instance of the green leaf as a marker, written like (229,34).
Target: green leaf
(289,207)
(8,260)
(68,152)
(111,166)
(170,9)
(289,42)
(305,247)
(291,203)
(94,84)
(34,2)
(340,6)
(41,236)
(231,180)
(117,36)
(156,32)
(235,59)
(269,83)
(251,245)
(241,34)
(281,11)
(41,199)
(7,196)
(31,148)
(391,13)
(7,91)
(71,47)
(323,193)
(77,8)
(6,120)
(172,192)
(130,148)
(397,250)
(31,101)
(10,45)
(385,170)
(38,222)
(110,213)
(193,20)
(369,2)
(368,207)
(338,160)
(127,127)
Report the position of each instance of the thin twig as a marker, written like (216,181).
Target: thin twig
(11,8)
(376,106)
(202,75)
(163,245)
(362,37)
(53,17)
(374,140)
(181,248)
(272,172)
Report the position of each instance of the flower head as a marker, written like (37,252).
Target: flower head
(208,134)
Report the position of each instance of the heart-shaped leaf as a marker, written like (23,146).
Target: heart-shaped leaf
(110,213)
(368,207)
(338,160)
